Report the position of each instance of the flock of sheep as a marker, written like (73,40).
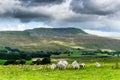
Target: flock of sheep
(74,65)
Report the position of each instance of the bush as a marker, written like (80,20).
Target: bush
(38,62)
(8,62)
(69,55)
(22,62)
(14,62)
(46,61)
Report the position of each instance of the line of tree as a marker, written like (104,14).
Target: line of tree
(9,53)
(101,52)
(26,56)
(45,60)
(15,54)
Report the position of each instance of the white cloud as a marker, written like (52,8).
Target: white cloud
(22,27)
(43,26)
(19,27)
(8,5)
(103,33)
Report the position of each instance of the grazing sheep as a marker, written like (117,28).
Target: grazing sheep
(82,65)
(98,64)
(62,64)
(75,65)
(53,66)
(65,62)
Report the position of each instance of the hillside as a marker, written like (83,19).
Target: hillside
(55,39)
(51,32)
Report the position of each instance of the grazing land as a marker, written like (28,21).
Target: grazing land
(107,71)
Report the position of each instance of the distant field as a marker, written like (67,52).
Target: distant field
(37,72)
(80,55)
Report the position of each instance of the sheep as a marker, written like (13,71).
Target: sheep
(62,64)
(75,65)
(65,62)
(53,66)
(98,64)
(82,65)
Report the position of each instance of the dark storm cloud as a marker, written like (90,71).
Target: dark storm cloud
(28,10)
(27,16)
(95,7)
(41,2)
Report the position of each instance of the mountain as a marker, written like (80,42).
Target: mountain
(50,32)
(55,39)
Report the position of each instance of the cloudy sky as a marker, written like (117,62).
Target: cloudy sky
(99,17)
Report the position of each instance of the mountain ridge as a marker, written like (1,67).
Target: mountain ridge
(49,32)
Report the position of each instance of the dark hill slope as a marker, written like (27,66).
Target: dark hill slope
(49,32)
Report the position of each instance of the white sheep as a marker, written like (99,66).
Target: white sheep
(82,65)
(62,65)
(65,62)
(53,66)
(75,65)
(98,64)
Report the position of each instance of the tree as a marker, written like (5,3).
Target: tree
(117,53)
(46,61)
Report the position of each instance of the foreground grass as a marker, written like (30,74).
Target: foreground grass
(37,72)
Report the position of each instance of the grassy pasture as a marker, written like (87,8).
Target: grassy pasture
(42,72)
(79,54)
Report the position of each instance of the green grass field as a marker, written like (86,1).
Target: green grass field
(79,54)
(107,71)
